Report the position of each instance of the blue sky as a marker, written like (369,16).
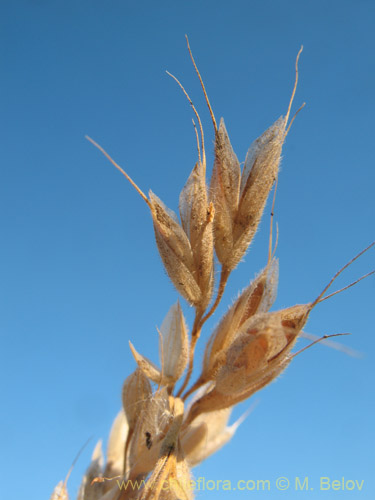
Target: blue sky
(80,273)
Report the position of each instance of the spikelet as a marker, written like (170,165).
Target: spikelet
(256,298)
(175,250)
(187,250)
(152,424)
(240,199)
(170,478)
(225,190)
(197,217)
(135,394)
(173,347)
(259,353)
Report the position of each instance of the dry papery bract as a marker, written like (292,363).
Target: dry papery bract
(163,430)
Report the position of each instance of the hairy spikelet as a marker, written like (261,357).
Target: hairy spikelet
(240,199)
(174,346)
(175,251)
(225,190)
(256,298)
(135,395)
(197,217)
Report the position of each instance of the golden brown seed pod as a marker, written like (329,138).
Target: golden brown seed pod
(224,189)
(256,298)
(259,173)
(197,221)
(240,199)
(260,339)
(175,250)
(135,393)
(257,356)
(170,479)
(174,345)
(151,426)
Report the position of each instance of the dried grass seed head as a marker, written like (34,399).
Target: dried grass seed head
(224,192)
(257,355)
(173,349)
(175,251)
(171,469)
(136,392)
(197,216)
(240,198)
(259,173)
(258,297)
(151,427)
(248,349)
(174,345)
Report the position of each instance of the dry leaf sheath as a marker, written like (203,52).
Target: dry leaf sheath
(160,433)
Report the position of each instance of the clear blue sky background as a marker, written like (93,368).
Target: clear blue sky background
(80,273)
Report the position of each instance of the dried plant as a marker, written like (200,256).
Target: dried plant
(157,437)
